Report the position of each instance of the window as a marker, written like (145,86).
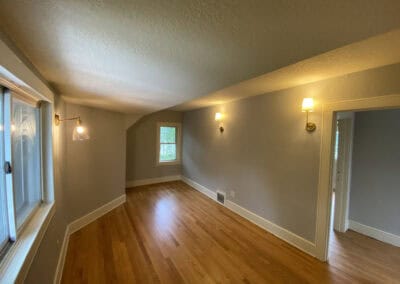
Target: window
(4,232)
(26,197)
(168,143)
(21,185)
(26,160)
(26,175)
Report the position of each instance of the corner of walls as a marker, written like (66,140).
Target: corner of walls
(95,168)
(148,181)
(53,241)
(131,119)
(78,224)
(375,233)
(89,182)
(19,70)
(266,157)
(141,166)
(15,68)
(374,195)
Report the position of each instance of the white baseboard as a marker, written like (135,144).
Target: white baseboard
(61,258)
(199,187)
(140,182)
(79,224)
(375,233)
(284,234)
(90,217)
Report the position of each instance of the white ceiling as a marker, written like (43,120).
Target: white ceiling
(370,53)
(141,56)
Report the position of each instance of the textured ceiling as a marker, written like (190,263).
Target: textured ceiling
(141,56)
(371,53)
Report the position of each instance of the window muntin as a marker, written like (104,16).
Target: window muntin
(168,143)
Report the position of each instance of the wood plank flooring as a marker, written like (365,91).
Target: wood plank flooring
(170,233)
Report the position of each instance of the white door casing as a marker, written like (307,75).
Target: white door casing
(324,199)
(343,172)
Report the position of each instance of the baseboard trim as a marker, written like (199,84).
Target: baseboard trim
(284,234)
(375,233)
(148,181)
(79,224)
(61,258)
(209,193)
(95,214)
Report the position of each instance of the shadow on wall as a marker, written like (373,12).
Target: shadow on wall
(141,144)
(88,174)
(265,156)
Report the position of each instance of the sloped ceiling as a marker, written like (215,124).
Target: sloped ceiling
(143,56)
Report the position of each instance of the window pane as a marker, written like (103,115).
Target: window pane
(167,152)
(167,134)
(26,159)
(3,201)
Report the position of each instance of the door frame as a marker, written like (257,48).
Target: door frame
(324,199)
(345,149)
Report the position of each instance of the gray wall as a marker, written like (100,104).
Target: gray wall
(375,184)
(95,168)
(48,252)
(265,154)
(88,174)
(141,141)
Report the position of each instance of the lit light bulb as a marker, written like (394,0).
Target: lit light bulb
(80,129)
(13,128)
(80,132)
(308,104)
(218,116)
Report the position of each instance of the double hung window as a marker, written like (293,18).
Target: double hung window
(21,164)
(168,143)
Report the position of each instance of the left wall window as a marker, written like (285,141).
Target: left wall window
(26,158)
(4,231)
(21,160)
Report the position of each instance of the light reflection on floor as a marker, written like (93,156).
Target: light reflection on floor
(164,215)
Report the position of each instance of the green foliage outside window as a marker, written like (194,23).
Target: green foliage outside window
(167,143)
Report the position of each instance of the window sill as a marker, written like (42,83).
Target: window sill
(168,163)
(18,259)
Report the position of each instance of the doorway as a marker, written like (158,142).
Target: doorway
(329,111)
(341,172)
(364,228)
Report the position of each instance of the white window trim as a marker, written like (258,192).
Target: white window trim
(15,265)
(178,143)
(18,259)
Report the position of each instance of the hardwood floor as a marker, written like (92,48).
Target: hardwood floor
(170,233)
(366,258)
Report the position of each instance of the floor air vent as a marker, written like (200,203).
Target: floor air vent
(221,197)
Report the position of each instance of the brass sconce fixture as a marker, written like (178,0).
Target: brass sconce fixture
(219,117)
(308,106)
(79,133)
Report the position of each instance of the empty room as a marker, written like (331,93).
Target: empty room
(198,141)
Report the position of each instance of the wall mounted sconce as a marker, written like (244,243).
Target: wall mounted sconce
(308,106)
(219,117)
(80,132)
